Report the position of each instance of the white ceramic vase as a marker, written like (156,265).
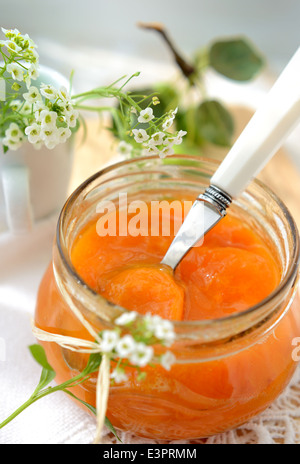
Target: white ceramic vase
(34,183)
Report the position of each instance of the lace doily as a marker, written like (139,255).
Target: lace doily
(279,424)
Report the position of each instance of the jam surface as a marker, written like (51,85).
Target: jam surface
(232,270)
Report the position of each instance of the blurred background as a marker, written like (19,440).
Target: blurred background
(102,34)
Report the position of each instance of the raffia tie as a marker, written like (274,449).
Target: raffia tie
(85,346)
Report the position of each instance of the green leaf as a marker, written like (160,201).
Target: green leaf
(93,363)
(235,59)
(215,123)
(48,374)
(39,355)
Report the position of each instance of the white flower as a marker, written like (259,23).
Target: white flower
(15,70)
(32,74)
(10,33)
(50,136)
(50,144)
(11,45)
(157,138)
(15,105)
(33,95)
(38,144)
(164,331)
(71,118)
(12,144)
(14,133)
(126,318)
(167,124)
(109,340)
(38,107)
(33,133)
(49,91)
(167,360)
(26,108)
(125,346)
(146,115)
(140,135)
(124,148)
(48,119)
(150,150)
(63,133)
(161,328)
(166,152)
(169,121)
(67,108)
(142,355)
(63,94)
(178,139)
(118,375)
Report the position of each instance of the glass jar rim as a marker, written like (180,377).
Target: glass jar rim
(288,279)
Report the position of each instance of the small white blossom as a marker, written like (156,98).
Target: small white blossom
(32,74)
(10,33)
(33,133)
(38,144)
(26,108)
(49,91)
(126,318)
(50,144)
(33,95)
(157,138)
(140,135)
(12,144)
(125,346)
(166,152)
(15,105)
(14,133)
(48,119)
(71,118)
(142,355)
(169,121)
(124,148)
(39,106)
(118,375)
(161,328)
(50,136)
(63,133)
(164,331)
(11,45)
(167,360)
(15,70)
(109,340)
(167,124)
(178,139)
(150,150)
(146,115)
(64,95)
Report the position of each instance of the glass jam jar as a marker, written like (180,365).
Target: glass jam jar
(227,370)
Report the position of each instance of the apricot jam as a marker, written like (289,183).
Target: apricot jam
(233,301)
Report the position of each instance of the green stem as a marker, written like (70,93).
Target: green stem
(37,396)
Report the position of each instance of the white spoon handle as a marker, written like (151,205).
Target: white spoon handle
(265,133)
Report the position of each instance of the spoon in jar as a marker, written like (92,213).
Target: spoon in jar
(263,136)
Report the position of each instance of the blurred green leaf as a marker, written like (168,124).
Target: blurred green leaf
(235,59)
(39,355)
(215,123)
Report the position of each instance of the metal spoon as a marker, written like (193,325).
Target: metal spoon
(265,133)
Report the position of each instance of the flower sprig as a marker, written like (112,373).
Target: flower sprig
(129,345)
(46,116)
